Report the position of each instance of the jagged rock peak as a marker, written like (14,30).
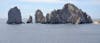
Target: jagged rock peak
(68,14)
(68,5)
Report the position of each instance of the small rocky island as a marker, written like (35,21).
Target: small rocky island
(30,20)
(14,16)
(68,14)
(39,18)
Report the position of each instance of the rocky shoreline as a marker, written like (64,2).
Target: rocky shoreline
(68,14)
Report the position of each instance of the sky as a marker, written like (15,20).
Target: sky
(29,7)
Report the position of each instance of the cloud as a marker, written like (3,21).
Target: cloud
(44,1)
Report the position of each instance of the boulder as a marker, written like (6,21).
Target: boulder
(14,16)
(39,18)
(30,20)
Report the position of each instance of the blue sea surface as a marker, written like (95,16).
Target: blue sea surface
(49,33)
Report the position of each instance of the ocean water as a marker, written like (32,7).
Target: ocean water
(49,33)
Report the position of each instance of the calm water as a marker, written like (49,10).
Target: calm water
(49,33)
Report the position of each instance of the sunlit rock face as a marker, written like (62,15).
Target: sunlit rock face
(39,18)
(14,16)
(75,15)
(68,14)
(30,20)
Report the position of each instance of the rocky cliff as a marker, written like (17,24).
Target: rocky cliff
(14,16)
(68,14)
(39,18)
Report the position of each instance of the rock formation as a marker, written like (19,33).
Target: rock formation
(39,18)
(68,14)
(30,20)
(14,16)
(48,18)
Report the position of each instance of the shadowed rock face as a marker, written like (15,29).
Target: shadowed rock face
(14,16)
(30,20)
(48,18)
(39,18)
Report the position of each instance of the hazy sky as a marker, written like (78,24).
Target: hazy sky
(28,7)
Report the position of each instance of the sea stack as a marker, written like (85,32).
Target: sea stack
(14,16)
(68,14)
(75,15)
(47,18)
(39,18)
(30,20)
